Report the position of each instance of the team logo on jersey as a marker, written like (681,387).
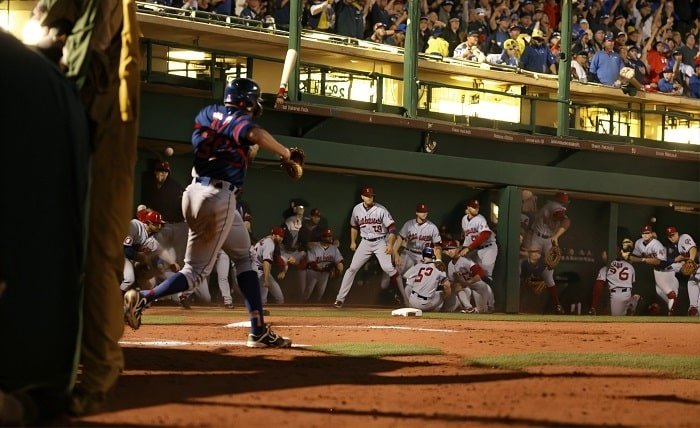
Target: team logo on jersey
(128,241)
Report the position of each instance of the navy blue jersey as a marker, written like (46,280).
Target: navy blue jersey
(220,144)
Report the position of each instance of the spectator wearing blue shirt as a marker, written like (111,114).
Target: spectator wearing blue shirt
(537,57)
(694,83)
(606,64)
(666,84)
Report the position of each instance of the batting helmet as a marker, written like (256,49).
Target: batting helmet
(367,191)
(243,94)
(429,253)
(153,217)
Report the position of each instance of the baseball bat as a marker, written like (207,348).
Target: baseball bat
(289,63)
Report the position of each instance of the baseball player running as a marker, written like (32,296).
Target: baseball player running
(417,234)
(619,276)
(141,248)
(323,261)
(263,255)
(551,222)
(223,139)
(687,250)
(378,232)
(649,250)
(427,287)
(467,279)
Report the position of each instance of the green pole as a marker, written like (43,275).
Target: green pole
(410,61)
(564,70)
(507,273)
(294,43)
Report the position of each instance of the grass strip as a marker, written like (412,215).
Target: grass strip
(375,350)
(678,366)
(162,319)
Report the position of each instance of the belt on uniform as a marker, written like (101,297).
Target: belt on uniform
(416,252)
(485,246)
(619,289)
(419,296)
(215,182)
(542,235)
(374,239)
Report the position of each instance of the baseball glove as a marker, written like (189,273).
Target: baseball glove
(553,257)
(536,285)
(689,268)
(440,265)
(294,167)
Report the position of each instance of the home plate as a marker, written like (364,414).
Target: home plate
(407,312)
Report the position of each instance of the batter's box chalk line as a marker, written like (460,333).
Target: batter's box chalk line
(246,324)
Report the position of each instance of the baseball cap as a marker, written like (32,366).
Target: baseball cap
(163,166)
(153,217)
(583,52)
(668,70)
(421,208)
(645,229)
(676,52)
(379,25)
(619,16)
(423,18)
(473,203)
(621,33)
(315,212)
(555,34)
(437,32)
(605,16)
(279,231)
(671,230)
(247,217)
(454,18)
(562,197)
(367,191)
(448,245)
(478,10)
(515,27)
(583,20)
(326,232)
(631,46)
(608,37)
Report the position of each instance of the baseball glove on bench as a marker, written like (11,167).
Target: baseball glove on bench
(294,167)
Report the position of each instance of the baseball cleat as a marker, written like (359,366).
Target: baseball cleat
(185,302)
(693,311)
(134,304)
(268,339)
(559,310)
(592,311)
(338,304)
(632,306)
(471,310)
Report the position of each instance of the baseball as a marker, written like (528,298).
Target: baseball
(169,151)
(653,219)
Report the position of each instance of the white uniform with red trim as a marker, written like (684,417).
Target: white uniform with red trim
(422,283)
(685,243)
(263,251)
(539,238)
(459,271)
(321,259)
(138,239)
(416,236)
(374,224)
(664,277)
(619,276)
(485,254)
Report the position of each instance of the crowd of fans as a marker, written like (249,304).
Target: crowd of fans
(647,45)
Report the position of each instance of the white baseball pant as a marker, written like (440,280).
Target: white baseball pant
(316,283)
(362,254)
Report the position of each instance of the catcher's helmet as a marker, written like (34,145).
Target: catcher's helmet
(243,94)
(429,253)
(152,217)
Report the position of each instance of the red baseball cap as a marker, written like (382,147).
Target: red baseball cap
(153,217)
(326,233)
(279,231)
(421,208)
(562,197)
(448,245)
(646,229)
(473,203)
(163,166)
(671,230)
(315,213)
(367,191)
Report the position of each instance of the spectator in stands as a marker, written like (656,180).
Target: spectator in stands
(477,22)
(508,56)
(254,10)
(514,31)
(554,44)
(689,49)
(644,20)
(579,66)
(282,14)
(437,45)
(598,40)
(526,23)
(380,13)
(424,33)
(398,38)
(445,12)
(619,25)
(452,34)
(321,15)
(379,33)
(633,38)
(620,40)
(682,71)
(537,57)
(552,10)
(606,64)
(655,59)
(584,42)
(583,26)
(667,85)
(631,60)
(350,17)
(695,82)
(469,49)
(398,14)
(498,24)
(435,22)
